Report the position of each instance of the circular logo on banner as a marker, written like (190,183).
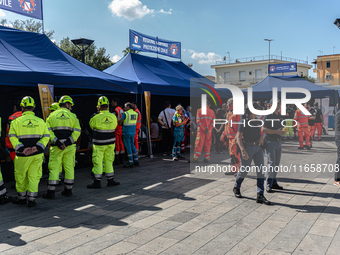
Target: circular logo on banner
(27,5)
(272,68)
(174,49)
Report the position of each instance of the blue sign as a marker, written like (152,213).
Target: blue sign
(283,68)
(141,42)
(30,8)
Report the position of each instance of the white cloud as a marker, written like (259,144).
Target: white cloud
(115,58)
(2,14)
(133,9)
(129,9)
(204,58)
(165,12)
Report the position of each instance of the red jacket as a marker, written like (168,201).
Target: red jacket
(205,121)
(231,130)
(139,119)
(119,111)
(301,118)
(10,119)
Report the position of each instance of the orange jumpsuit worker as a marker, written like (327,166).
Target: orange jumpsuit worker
(303,128)
(119,150)
(205,125)
(17,113)
(230,131)
(138,125)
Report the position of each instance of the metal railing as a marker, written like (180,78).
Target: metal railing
(259,58)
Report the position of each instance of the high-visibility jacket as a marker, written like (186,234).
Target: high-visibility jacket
(205,121)
(103,125)
(301,118)
(28,131)
(10,119)
(119,111)
(130,121)
(139,119)
(231,128)
(64,126)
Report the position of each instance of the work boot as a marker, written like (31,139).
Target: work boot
(128,165)
(121,158)
(18,201)
(136,163)
(307,147)
(4,199)
(67,192)
(301,148)
(277,186)
(194,160)
(206,160)
(49,195)
(31,203)
(237,193)
(117,158)
(112,182)
(262,200)
(95,185)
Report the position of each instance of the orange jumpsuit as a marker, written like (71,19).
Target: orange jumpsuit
(230,131)
(204,122)
(7,141)
(303,128)
(119,133)
(138,126)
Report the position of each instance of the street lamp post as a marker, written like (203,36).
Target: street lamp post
(269,40)
(81,45)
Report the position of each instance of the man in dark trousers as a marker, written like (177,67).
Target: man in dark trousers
(165,119)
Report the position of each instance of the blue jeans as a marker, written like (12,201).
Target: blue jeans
(255,153)
(273,154)
(178,138)
(129,143)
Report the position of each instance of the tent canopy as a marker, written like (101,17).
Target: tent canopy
(264,88)
(27,59)
(159,76)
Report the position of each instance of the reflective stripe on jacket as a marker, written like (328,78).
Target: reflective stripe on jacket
(103,125)
(63,124)
(28,131)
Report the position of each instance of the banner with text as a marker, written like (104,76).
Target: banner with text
(141,42)
(283,68)
(46,93)
(30,8)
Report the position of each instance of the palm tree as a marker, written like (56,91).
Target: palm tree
(127,50)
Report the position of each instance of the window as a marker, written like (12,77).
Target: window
(328,76)
(250,73)
(328,64)
(258,74)
(227,77)
(242,75)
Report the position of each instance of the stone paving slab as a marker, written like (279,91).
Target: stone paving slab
(165,207)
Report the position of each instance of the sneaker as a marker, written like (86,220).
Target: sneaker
(237,193)
(262,200)
(112,182)
(175,159)
(31,203)
(18,201)
(277,187)
(337,183)
(4,199)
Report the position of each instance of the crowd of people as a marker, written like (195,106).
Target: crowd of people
(28,137)
(115,134)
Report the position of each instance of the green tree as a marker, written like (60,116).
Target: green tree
(27,25)
(96,58)
(308,78)
(127,50)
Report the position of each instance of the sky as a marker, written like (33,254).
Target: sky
(207,30)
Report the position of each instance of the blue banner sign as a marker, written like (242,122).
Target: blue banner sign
(283,68)
(30,8)
(141,42)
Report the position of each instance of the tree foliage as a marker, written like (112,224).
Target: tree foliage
(308,78)
(29,25)
(127,50)
(97,58)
